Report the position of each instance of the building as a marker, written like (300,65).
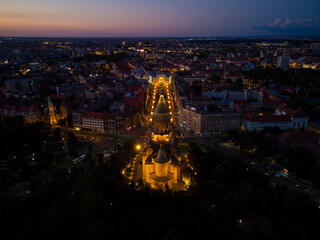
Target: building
(284,118)
(69,89)
(237,95)
(161,160)
(219,92)
(94,121)
(234,77)
(116,122)
(254,122)
(299,119)
(209,119)
(160,78)
(29,114)
(283,62)
(191,79)
(160,168)
(191,119)
(22,86)
(122,69)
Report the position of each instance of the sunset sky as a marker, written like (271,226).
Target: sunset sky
(165,18)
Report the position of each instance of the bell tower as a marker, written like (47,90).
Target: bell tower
(53,119)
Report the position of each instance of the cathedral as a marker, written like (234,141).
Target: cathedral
(161,158)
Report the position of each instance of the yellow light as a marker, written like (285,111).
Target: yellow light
(138,147)
(152,106)
(150,119)
(169,106)
(171,119)
(168,101)
(170,112)
(152,101)
(151,112)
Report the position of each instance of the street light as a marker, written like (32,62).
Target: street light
(138,147)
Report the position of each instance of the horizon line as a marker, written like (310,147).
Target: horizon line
(177,37)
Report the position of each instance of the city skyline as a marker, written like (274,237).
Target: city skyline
(142,18)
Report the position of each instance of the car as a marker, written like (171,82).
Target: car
(253,163)
(267,174)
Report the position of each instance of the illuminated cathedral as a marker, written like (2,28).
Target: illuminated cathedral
(161,158)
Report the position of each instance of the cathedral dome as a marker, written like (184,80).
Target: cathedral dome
(162,109)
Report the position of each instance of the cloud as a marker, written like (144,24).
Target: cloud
(291,27)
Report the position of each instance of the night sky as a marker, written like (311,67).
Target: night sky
(158,18)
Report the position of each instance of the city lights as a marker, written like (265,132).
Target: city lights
(181,124)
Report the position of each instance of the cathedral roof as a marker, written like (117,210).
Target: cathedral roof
(161,156)
(162,109)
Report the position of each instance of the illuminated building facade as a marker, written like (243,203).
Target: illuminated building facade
(161,158)
(162,78)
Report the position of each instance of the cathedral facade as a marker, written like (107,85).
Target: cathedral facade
(161,158)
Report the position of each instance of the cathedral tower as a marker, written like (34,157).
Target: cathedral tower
(53,119)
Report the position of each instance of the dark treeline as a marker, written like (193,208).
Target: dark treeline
(257,146)
(226,202)
(301,77)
